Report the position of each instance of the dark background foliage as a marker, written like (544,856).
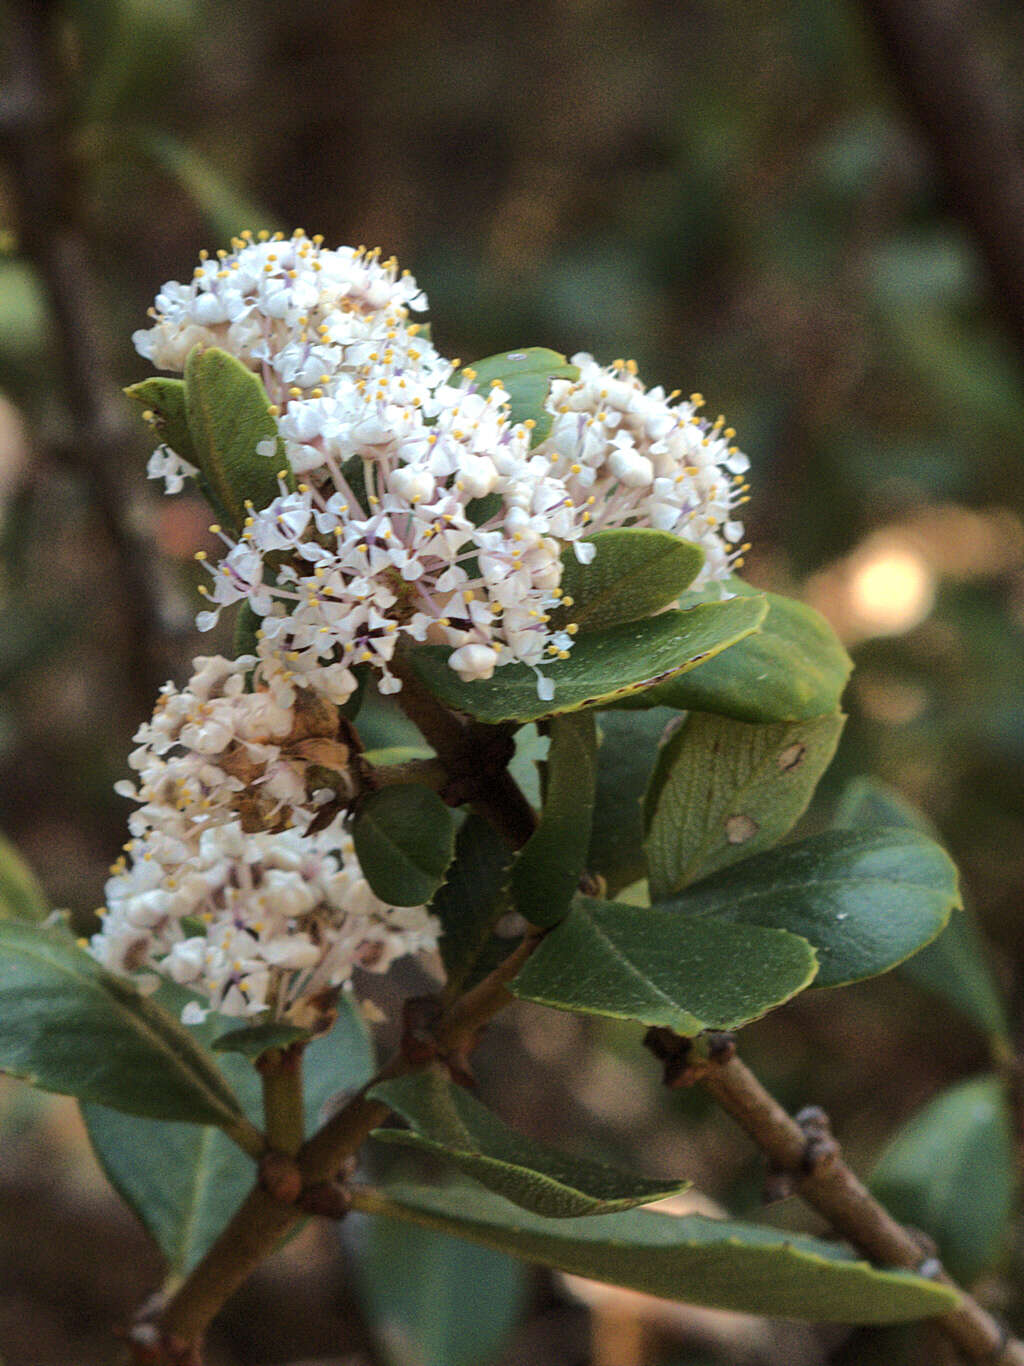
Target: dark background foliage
(812,212)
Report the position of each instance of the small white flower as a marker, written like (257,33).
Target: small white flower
(423,510)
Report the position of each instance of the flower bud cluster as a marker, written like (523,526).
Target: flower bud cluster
(229,886)
(422,510)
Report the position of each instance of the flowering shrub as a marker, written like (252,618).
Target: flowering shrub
(527,555)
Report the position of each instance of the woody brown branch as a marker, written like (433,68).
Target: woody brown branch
(816,1172)
(36,140)
(263,1220)
(941,68)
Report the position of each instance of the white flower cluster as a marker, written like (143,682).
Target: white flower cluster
(228,888)
(423,510)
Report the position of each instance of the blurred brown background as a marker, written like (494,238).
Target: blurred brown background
(810,210)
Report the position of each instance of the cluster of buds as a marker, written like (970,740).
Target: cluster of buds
(239,880)
(413,508)
(423,510)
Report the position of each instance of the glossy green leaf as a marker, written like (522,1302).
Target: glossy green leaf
(526,376)
(184,1181)
(635,573)
(955,966)
(602,665)
(227,410)
(724,789)
(405,839)
(67,1025)
(662,968)
(455,1303)
(448,1122)
(627,750)
(951,1171)
(794,668)
(526,764)
(21,897)
(547,871)
(252,1041)
(165,399)
(718,1263)
(470,900)
(866,899)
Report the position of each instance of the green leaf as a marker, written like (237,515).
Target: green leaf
(226,209)
(955,966)
(661,968)
(626,754)
(25,319)
(165,399)
(793,669)
(21,897)
(252,1041)
(526,377)
(719,1263)
(247,624)
(866,899)
(951,1171)
(526,764)
(67,1025)
(470,901)
(547,870)
(635,573)
(723,790)
(602,666)
(185,1181)
(449,1123)
(405,839)
(455,1302)
(227,410)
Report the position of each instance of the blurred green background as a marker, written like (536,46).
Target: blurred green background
(736,194)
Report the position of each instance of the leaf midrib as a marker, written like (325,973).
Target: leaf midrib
(143,1025)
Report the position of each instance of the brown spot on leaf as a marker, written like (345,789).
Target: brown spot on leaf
(792,757)
(739,829)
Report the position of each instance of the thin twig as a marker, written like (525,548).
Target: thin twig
(262,1221)
(942,70)
(808,1159)
(35,139)
(475,757)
